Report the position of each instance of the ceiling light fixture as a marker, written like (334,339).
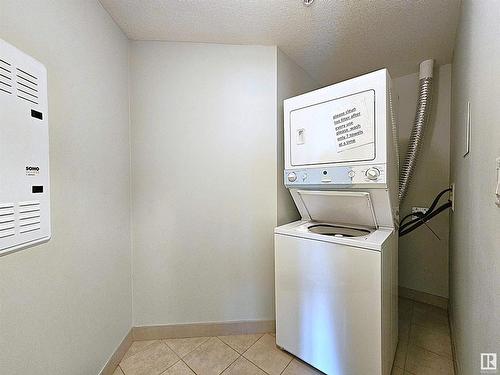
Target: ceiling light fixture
(308,2)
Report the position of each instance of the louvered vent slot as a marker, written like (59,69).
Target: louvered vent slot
(29,216)
(27,86)
(5,77)
(7,220)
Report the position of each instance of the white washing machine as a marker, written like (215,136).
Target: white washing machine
(336,268)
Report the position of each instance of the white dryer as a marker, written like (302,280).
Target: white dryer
(336,268)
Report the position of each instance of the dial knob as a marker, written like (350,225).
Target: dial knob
(372,173)
(292,176)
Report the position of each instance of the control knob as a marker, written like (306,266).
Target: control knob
(292,176)
(372,173)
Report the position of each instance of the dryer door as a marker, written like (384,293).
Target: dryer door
(338,207)
(335,131)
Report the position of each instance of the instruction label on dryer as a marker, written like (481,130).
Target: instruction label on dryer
(354,121)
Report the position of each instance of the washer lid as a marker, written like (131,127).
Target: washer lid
(338,207)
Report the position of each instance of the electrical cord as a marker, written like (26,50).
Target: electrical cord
(421,215)
(411,225)
(425,219)
(431,207)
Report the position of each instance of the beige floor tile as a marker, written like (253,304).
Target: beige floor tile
(181,347)
(397,371)
(430,316)
(434,340)
(211,357)
(118,371)
(423,362)
(240,343)
(153,360)
(297,367)
(137,346)
(180,368)
(405,310)
(400,357)
(267,356)
(242,366)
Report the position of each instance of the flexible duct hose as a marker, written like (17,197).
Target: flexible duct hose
(419,125)
(394,126)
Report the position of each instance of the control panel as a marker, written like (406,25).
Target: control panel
(363,174)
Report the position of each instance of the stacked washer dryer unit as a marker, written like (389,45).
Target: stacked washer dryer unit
(336,268)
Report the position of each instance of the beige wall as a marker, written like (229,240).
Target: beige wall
(66,305)
(292,81)
(204,181)
(207,125)
(475,224)
(423,258)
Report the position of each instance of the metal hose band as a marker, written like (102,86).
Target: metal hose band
(417,134)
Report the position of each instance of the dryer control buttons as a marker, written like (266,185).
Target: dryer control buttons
(292,176)
(372,173)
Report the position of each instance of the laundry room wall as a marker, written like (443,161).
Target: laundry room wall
(292,81)
(66,305)
(423,255)
(204,181)
(475,234)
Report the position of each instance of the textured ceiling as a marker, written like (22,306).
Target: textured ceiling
(332,40)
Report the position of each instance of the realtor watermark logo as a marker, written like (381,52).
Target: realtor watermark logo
(488,363)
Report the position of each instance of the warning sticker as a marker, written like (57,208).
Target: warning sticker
(353,124)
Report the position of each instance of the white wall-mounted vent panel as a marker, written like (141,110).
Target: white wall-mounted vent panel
(24,151)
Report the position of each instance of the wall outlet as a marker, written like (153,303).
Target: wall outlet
(422,210)
(452,197)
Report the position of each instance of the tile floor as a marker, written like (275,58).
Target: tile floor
(424,346)
(424,349)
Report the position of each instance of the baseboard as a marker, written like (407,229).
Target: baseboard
(456,364)
(117,356)
(203,329)
(423,297)
(172,331)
